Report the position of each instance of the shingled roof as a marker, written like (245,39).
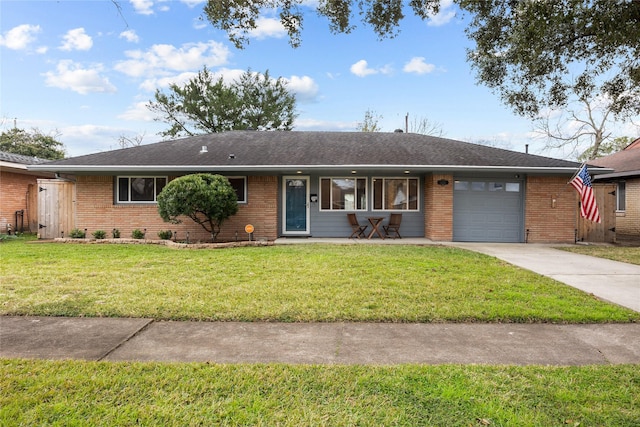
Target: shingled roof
(625,163)
(285,151)
(20,159)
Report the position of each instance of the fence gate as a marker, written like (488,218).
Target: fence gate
(56,208)
(589,231)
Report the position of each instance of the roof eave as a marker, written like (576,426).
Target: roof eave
(110,169)
(625,174)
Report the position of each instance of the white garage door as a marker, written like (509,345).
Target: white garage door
(488,210)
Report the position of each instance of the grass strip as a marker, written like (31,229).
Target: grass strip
(126,394)
(626,254)
(303,283)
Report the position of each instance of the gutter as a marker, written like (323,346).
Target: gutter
(305,168)
(625,174)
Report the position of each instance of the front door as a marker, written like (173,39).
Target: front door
(295,205)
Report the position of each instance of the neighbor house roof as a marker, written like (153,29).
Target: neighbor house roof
(20,159)
(625,163)
(289,151)
(18,163)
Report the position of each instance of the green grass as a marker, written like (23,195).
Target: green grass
(286,283)
(124,394)
(629,255)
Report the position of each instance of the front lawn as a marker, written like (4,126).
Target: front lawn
(286,283)
(154,394)
(630,255)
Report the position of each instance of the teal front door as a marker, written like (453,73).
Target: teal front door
(296,205)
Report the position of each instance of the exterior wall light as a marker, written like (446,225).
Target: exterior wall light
(443,182)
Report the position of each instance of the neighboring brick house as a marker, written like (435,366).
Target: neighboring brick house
(18,188)
(626,174)
(303,184)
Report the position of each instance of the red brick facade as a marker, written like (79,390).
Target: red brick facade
(17,194)
(438,208)
(551,210)
(628,222)
(95,210)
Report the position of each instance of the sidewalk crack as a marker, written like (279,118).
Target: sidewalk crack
(126,339)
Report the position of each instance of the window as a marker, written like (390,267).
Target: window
(343,194)
(461,185)
(621,195)
(139,189)
(513,187)
(477,186)
(240,185)
(496,186)
(395,194)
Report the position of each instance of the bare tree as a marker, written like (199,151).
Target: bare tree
(134,141)
(423,126)
(370,122)
(583,128)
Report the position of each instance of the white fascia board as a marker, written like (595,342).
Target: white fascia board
(284,168)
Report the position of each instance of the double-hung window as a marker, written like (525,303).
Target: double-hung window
(343,194)
(240,185)
(139,189)
(395,194)
(621,195)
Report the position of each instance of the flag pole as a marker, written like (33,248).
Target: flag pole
(578,171)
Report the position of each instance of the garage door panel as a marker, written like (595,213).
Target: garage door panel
(484,211)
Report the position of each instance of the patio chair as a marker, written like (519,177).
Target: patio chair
(394,225)
(356,228)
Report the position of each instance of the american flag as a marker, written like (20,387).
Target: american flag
(588,206)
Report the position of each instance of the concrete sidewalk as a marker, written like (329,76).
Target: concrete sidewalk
(317,343)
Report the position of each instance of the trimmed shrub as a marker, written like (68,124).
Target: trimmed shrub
(165,234)
(76,233)
(137,234)
(99,234)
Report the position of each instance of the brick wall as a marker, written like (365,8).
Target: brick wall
(438,208)
(14,196)
(95,210)
(628,223)
(546,220)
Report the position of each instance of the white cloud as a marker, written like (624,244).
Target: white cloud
(322,125)
(162,59)
(305,88)
(151,85)
(138,112)
(72,76)
(418,65)
(444,16)
(193,3)
(76,39)
(20,37)
(361,69)
(268,27)
(143,7)
(130,36)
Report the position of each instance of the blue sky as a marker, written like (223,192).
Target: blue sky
(85,70)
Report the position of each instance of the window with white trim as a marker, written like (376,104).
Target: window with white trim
(621,195)
(343,194)
(139,189)
(395,194)
(239,183)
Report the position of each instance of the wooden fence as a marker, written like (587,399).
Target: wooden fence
(56,208)
(603,232)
